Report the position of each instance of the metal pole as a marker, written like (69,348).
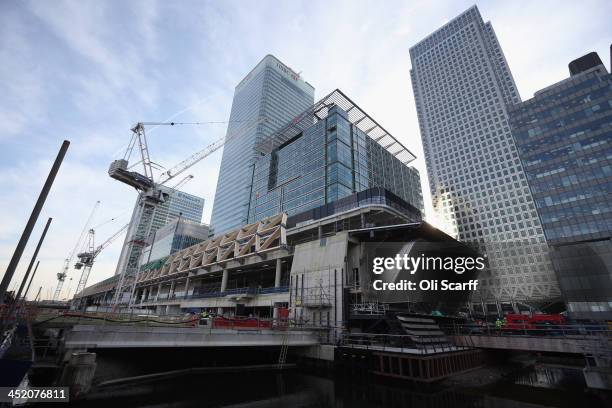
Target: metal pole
(25,236)
(38,294)
(25,294)
(31,279)
(27,274)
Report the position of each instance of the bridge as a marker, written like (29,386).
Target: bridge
(552,344)
(567,338)
(87,337)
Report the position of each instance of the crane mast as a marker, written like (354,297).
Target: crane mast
(86,258)
(151,194)
(61,276)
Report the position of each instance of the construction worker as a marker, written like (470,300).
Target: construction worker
(498,324)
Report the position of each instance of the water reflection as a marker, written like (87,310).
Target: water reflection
(292,389)
(553,377)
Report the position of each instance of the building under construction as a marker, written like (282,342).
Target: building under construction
(324,186)
(316,269)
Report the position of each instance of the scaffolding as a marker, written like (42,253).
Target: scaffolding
(316,297)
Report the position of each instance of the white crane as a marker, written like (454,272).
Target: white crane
(61,276)
(87,258)
(150,195)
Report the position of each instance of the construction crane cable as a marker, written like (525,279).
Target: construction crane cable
(193,123)
(111,220)
(61,276)
(202,154)
(127,149)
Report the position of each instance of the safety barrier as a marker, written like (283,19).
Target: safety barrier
(214,294)
(575,330)
(394,342)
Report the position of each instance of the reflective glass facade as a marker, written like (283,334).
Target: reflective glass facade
(268,97)
(179,203)
(174,236)
(186,205)
(564,137)
(462,86)
(330,160)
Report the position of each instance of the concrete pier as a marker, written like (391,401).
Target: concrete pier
(78,373)
(408,365)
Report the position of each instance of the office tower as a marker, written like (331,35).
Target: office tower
(333,150)
(172,237)
(564,138)
(177,204)
(268,97)
(462,86)
(188,206)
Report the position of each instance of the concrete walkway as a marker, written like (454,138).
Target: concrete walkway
(111,336)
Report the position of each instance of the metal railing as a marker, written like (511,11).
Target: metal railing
(369,308)
(395,343)
(103,318)
(216,294)
(175,320)
(573,330)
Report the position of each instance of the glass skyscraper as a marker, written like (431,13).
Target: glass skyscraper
(462,86)
(310,164)
(172,237)
(564,137)
(268,97)
(188,206)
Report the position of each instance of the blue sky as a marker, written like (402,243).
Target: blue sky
(88,70)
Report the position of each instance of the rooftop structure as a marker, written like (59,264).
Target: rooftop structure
(328,152)
(320,110)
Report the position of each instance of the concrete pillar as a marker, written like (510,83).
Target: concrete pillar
(186,287)
(277,283)
(78,373)
(159,287)
(277,277)
(224,280)
(171,293)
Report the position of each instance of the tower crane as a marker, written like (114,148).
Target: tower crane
(151,194)
(86,259)
(61,276)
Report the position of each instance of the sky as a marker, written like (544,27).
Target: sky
(88,70)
